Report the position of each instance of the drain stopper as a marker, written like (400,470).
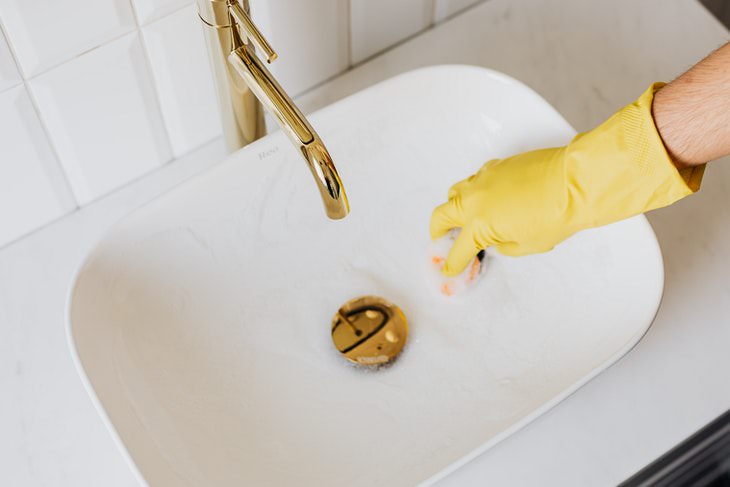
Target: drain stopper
(369,330)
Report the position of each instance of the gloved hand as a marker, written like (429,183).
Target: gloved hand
(530,202)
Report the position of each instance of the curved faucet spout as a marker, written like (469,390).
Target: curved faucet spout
(230,22)
(296,126)
(328,180)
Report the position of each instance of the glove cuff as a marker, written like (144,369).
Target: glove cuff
(648,150)
(621,168)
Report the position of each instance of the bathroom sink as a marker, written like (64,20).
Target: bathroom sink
(201,322)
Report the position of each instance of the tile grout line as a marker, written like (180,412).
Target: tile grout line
(10,87)
(422,31)
(461,11)
(393,46)
(151,71)
(110,193)
(137,28)
(65,191)
(56,155)
(76,56)
(385,50)
(60,182)
(65,182)
(12,55)
(155,20)
(348,40)
(164,14)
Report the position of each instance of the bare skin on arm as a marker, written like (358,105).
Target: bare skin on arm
(692,113)
(648,155)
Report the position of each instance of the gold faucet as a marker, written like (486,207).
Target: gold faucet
(244,84)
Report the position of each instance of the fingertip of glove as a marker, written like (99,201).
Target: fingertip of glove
(451,271)
(441,223)
(435,232)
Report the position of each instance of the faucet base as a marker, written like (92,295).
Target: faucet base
(241,112)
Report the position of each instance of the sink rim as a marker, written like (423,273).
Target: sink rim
(486,445)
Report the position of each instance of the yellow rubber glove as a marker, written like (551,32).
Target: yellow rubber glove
(530,202)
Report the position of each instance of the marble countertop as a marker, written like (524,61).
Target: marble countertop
(587,59)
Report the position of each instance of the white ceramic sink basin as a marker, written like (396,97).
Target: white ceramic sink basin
(202,321)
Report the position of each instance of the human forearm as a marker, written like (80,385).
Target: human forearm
(648,155)
(692,113)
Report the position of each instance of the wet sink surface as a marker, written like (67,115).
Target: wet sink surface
(201,322)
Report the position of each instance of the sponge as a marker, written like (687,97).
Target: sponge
(458,285)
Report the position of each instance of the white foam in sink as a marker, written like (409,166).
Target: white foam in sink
(201,322)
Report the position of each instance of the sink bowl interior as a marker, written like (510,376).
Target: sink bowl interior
(201,322)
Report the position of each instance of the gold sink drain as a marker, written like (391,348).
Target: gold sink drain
(369,330)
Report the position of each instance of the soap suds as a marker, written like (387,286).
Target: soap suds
(457,285)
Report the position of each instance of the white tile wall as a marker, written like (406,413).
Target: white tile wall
(310,37)
(103,118)
(378,24)
(95,93)
(9,75)
(48,33)
(29,174)
(447,8)
(149,10)
(176,49)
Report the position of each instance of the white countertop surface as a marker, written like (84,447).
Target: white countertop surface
(587,58)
